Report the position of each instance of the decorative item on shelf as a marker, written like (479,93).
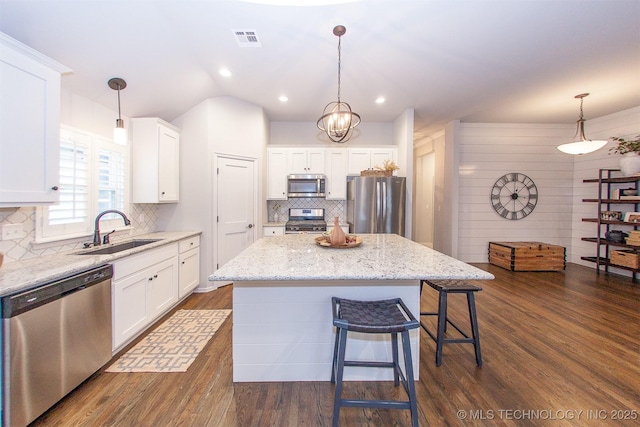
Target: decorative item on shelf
(616,236)
(276,210)
(582,145)
(634,238)
(611,215)
(387,169)
(630,150)
(625,258)
(119,132)
(338,120)
(337,234)
(632,217)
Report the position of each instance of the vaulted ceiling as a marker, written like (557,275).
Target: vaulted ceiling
(486,61)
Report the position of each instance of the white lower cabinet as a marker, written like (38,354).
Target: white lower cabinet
(148,284)
(144,287)
(189,259)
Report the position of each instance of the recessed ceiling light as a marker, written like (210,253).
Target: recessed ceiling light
(224,72)
(283,98)
(380,100)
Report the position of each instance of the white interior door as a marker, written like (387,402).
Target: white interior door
(236,201)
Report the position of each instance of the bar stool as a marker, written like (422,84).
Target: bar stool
(374,317)
(445,287)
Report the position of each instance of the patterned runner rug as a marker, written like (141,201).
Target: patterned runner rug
(174,345)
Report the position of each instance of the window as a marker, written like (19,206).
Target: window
(94,176)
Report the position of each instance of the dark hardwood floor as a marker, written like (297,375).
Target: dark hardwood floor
(559,348)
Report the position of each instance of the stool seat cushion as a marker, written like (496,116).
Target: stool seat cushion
(383,316)
(452,285)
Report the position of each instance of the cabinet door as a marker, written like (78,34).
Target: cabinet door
(130,313)
(29,128)
(168,165)
(297,160)
(277,174)
(316,160)
(379,155)
(162,286)
(336,175)
(189,272)
(359,160)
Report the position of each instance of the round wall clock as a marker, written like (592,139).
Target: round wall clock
(514,196)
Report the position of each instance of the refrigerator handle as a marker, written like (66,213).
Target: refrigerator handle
(384,206)
(378,206)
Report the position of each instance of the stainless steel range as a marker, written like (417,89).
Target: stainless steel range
(309,221)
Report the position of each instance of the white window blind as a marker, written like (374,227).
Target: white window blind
(93,178)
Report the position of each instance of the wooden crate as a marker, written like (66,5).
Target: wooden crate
(527,256)
(625,258)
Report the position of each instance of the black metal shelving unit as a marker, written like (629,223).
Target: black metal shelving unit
(606,179)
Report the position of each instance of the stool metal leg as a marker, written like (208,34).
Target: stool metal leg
(394,353)
(335,357)
(340,371)
(442,325)
(474,326)
(411,385)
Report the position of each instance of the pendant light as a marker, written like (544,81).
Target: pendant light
(582,144)
(119,132)
(338,120)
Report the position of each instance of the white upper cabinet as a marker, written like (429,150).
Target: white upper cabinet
(155,161)
(336,184)
(306,160)
(29,125)
(367,158)
(276,174)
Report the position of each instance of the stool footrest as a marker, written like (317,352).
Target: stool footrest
(388,404)
(369,364)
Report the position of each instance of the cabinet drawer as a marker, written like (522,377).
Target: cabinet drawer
(190,243)
(272,231)
(134,263)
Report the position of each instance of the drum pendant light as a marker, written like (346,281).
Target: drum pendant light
(119,132)
(338,120)
(582,145)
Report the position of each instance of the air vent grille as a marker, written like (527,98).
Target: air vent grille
(247,38)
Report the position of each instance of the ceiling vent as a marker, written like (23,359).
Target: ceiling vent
(247,38)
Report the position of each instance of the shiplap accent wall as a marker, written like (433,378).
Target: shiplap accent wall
(487,152)
(625,124)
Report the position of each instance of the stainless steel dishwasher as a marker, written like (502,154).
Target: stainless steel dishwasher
(55,336)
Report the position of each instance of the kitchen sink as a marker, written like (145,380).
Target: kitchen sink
(119,247)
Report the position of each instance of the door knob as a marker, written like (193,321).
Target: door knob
(250,226)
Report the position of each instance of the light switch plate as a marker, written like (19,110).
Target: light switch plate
(11,231)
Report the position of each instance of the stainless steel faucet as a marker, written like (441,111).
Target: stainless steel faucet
(96,233)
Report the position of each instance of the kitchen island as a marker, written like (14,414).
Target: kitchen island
(282,321)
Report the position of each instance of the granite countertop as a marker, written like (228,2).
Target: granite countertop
(379,257)
(19,275)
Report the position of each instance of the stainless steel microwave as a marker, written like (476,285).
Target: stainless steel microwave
(305,185)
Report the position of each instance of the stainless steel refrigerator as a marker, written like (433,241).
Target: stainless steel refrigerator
(376,205)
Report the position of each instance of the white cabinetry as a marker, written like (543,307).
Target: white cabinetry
(155,161)
(144,287)
(276,174)
(306,160)
(366,158)
(189,264)
(272,230)
(336,183)
(29,125)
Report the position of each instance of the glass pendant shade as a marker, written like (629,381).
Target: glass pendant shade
(582,145)
(120,133)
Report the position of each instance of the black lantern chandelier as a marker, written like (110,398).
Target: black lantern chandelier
(338,120)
